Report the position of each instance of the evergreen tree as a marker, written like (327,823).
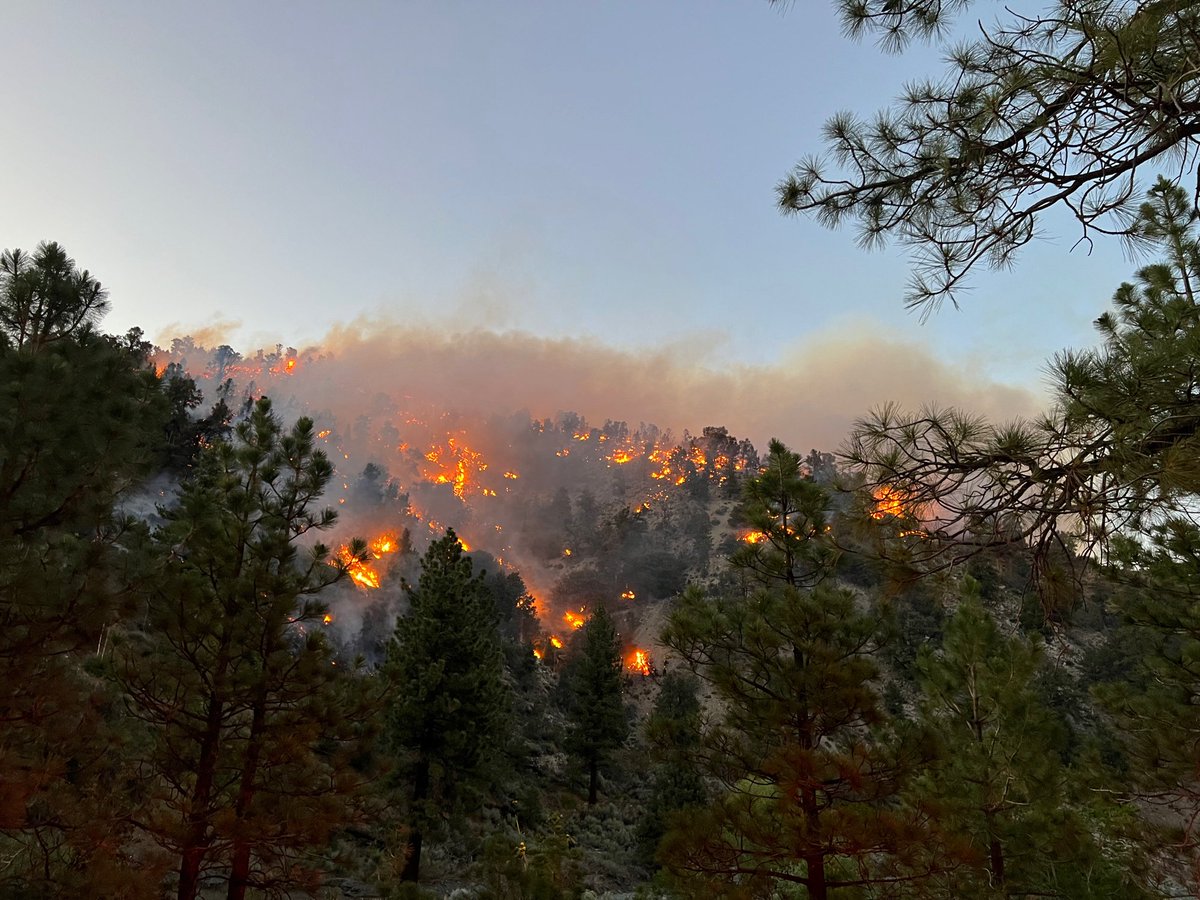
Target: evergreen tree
(233,683)
(449,702)
(998,787)
(1119,450)
(787,511)
(81,423)
(1053,105)
(672,732)
(1154,700)
(807,790)
(597,710)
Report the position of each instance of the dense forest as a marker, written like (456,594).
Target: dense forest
(957,661)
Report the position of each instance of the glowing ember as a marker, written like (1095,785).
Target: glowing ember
(513,476)
(538,653)
(627,595)
(567,551)
(620,457)
(754,537)
(324,434)
(575,619)
(556,643)
(327,620)
(638,661)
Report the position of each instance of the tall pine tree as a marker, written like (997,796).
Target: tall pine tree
(449,702)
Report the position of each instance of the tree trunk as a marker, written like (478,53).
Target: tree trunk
(412,853)
(197,837)
(593,781)
(814,859)
(239,875)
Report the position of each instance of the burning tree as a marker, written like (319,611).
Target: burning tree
(449,703)
(233,686)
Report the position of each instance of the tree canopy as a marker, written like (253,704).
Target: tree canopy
(1063,106)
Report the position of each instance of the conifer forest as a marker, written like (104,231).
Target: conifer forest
(255,645)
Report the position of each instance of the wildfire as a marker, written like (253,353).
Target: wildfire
(627,595)
(361,571)
(754,537)
(556,642)
(622,456)
(327,619)
(638,661)
(575,619)
(889,501)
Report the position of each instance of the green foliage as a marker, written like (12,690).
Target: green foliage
(787,509)
(81,420)
(1117,452)
(236,690)
(1055,105)
(672,732)
(596,707)
(998,789)
(44,298)
(1156,677)
(448,708)
(807,787)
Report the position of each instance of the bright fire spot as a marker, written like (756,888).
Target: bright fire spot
(513,476)
(638,661)
(466,547)
(627,595)
(567,551)
(290,366)
(620,457)
(362,573)
(754,537)
(385,543)
(575,619)
(327,620)
(889,501)
(324,434)
(555,643)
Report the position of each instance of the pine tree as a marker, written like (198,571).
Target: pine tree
(998,787)
(1154,702)
(449,703)
(81,423)
(232,681)
(1051,105)
(597,710)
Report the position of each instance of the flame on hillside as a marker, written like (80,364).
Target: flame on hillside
(638,661)
(361,571)
(890,502)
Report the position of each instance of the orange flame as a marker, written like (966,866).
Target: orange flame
(327,620)
(627,595)
(754,537)
(360,571)
(575,619)
(638,661)
(556,642)
(889,501)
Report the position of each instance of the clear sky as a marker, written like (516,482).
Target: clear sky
(600,169)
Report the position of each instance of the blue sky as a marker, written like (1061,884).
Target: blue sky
(601,170)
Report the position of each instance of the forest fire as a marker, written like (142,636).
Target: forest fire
(753,537)
(628,595)
(889,502)
(638,661)
(361,571)
(575,619)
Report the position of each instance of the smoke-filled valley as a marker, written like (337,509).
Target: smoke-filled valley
(598,475)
